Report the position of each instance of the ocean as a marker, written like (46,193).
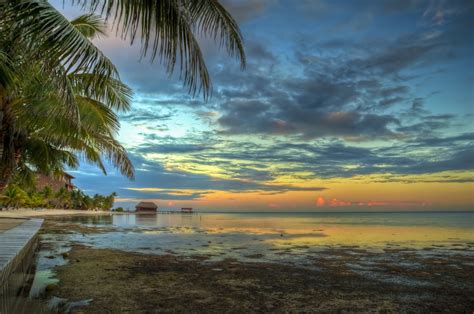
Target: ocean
(278,237)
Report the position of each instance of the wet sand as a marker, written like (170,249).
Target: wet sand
(128,282)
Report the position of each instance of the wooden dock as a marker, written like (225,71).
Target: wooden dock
(17,246)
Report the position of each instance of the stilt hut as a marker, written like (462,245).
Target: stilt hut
(146,207)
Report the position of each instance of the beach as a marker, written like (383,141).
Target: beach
(255,263)
(28,212)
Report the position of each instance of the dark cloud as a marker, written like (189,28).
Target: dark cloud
(346,95)
(171,148)
(444,141)
(164,195)
(144,115)
(243,10)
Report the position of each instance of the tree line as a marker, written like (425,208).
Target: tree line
(14,197)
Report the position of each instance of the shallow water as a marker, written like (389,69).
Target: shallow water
(365,243)
(294,239)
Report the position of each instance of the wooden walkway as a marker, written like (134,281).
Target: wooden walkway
(16,250)
(9,223)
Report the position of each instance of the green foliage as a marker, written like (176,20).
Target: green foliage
(118,209)
(59,94)
(15,197)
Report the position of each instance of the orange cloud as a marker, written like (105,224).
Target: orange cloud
(274,205)
(320,202)
(334,202)
(337,203)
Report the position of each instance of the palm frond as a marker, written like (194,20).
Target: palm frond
(211,19)
(96,117)
(165,29)
(90,25)
(6,70)
(52,34)
(110,91)
(117,155)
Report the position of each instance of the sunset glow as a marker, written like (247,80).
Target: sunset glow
(329,115)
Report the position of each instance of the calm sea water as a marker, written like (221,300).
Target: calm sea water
(278,237)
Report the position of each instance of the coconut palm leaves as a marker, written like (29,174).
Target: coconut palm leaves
(59,92)
(6,71)
(39,132)
(13,196)
(46,30)
(168,31)
(50,132)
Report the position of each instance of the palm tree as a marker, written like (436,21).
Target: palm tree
(63,198)
(108,201)
(77,199)
(41,134)
(87,202)
(49,65)
(47,194)
(36,200)
(97,201)
(13,196)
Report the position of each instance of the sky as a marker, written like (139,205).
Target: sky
(343,106)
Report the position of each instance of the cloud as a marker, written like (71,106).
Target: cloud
(171,148)
(334,202)
(353,93)
(144,115)
(320,202)
(377,95)
(243,10)
(155,181)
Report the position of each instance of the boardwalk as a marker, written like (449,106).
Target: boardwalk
(7,224)
(17,246)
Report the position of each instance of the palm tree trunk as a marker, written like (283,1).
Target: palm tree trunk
(7,147)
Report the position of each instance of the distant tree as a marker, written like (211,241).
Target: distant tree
(37,200)
(87,202)
(14,196)
(47,194)
(108,201)
(63,198)
(77,199)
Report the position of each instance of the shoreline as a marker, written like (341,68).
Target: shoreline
(29,213)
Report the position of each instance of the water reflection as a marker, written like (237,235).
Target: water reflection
(280,237)
(156,220)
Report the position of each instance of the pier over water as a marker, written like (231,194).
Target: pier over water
(18,241)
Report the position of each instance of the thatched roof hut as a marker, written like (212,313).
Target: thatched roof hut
(186,210)
(146,207)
